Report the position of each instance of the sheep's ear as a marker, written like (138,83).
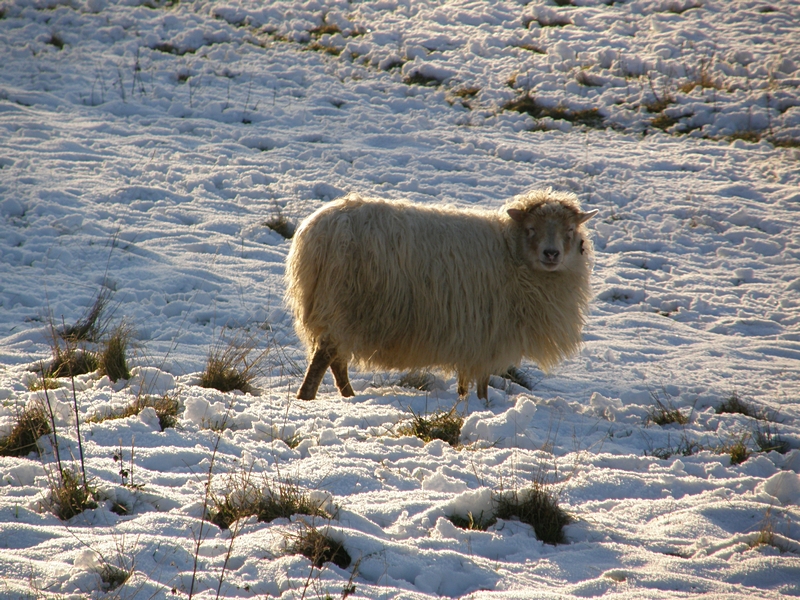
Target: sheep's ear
(585,216)
(516,214)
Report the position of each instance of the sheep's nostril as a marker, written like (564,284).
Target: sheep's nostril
(551,255)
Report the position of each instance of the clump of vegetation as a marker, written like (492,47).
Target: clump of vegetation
(472,523)
(701,78)
(230,367)
(56,40)
(113,576)
(735,405)
(538,507)
(71,495)
(748,135)
(768,440)
(785,142)
(528,104)
(31,423)
(319,548)
(417,78)
(445,426)
(112,360)
(166,408)
(738,452)
(585,78)
(35,384)
(663,121)
(685,447)
(280,225)
(71,361)
(664,413)
(280,499)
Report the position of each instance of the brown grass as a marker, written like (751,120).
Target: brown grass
(32,423)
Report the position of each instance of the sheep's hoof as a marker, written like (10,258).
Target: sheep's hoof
(347,391)
(306,394)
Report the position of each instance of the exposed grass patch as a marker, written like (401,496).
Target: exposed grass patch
(685,447)
(71,361)
(701,78)
(332,50)
(417,78)
(32,423)
(166,408)
(465,92)
(112,359)
(319,548)
(735,405)
(281,498)
(664,413)
(70,496)
(113,577)
(538,507)
(528,104)
(35,384)
(678,8)
(738,452)
(471,522)
(445,426)
(231,365)
(748,135)
(280,225)
(663,121)
(785,142)
(532,48)
(769,440)
(56,40)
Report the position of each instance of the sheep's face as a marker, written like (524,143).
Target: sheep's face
(550,238)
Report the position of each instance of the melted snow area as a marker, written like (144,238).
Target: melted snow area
(143,145)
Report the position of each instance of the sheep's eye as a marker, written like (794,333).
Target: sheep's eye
(570,233)
(531,232)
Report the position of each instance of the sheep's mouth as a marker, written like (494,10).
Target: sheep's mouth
(550,265)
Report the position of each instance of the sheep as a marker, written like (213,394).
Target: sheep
(403,286)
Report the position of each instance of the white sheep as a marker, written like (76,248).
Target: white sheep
(396,285)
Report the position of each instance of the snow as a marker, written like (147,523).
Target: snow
(143,145)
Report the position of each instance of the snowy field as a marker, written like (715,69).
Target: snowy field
(143,147)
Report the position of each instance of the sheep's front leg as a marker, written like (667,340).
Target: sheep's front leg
(324,355)
(463,385)
(339,368)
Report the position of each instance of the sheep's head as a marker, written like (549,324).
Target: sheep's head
(550,227)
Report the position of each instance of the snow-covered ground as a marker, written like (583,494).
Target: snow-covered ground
(143,145)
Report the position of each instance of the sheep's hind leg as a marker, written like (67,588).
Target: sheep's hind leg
(483,388)
(339,368)
(324,355)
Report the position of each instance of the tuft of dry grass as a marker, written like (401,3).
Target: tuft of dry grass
(32,423)
(735,405)
(769,440)
(112,360)
(319,548)
(70,361)
(528,104)
(664,413)
(70,496)
(280,498)
(538,507)
(280,225)
(445,426)
(230,367)
(417,78)
(166,408)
